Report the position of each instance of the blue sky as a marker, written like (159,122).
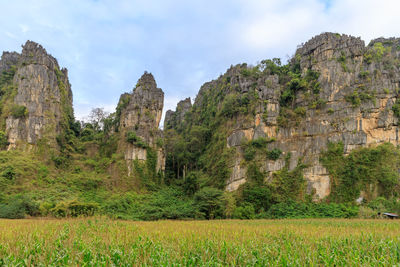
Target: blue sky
(108,44)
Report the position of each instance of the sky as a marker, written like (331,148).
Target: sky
(106,45)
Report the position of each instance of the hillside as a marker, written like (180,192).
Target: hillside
(317,136)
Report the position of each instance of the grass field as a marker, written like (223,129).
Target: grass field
(104,242)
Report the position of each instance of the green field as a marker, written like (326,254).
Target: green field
(105,242)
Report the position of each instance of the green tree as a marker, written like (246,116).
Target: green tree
(209,202)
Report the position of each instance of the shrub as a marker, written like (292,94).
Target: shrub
(362,170)
(260,142)
(379,50)
(292,209)
(45,207)
(366,213)
(3,140)
(381,204)
(364,74)
(257,195)
(9,173)
(354,99)
(12,211)
(191,183)
(287,184)
(132,138)
(229,106)
(208,201)
(60,161)
(43,172)
(18,111)
(229,201)
(87,181)
(396,108)
(301,111)
(167,203)
(74,208)
(87,134)
(249,153)
(246,211)
(274,154)
(254,175)
(17,206)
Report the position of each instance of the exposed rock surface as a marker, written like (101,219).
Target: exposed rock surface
(43,89)
(8,59)
(174,118)
(358,86)
(141,114)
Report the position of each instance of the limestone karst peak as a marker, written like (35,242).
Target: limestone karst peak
(34,53)
(147,81)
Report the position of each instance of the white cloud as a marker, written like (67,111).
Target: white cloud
(107,44)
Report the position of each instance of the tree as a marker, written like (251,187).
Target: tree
(97,117)
(209,202)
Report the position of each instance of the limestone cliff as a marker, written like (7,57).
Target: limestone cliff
(174,118)
(36,102)
(140,115)
(334,89)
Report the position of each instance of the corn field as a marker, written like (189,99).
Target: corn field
(104,242)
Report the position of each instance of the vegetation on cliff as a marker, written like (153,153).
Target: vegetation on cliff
(246,148)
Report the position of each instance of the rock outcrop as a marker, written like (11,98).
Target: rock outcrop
(174,118)
(349,95)
(140,116)
(37,102)
(356,98)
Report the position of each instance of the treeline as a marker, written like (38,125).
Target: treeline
(172,203)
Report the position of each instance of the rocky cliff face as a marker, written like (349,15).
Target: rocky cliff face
(37,101)
(335,89)
(141,113)
(175,118)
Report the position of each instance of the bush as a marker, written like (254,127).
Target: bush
(257,195)
(287,184)
(132,138)
(74,208)
(191,183)
(43,172)
(364,74)
(208,201)
(17,206)
(254,175)
(60,161)
(229,203)
(301,111)
(367,213)
(18,111)
(274,154)
(364,169)
(260,142)
(167,203)
(396,108)
(249,153)
(87,134)
(12,211)
(3,140)
(9,173)
(292,209)
(381,205)
(246,211)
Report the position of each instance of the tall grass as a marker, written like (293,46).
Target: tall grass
(104,242)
